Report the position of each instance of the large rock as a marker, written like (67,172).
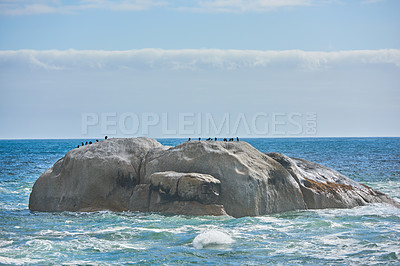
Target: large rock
(193,178)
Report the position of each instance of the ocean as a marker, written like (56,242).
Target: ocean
(363,235)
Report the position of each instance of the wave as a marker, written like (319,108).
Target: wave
(20,261)
(212,238)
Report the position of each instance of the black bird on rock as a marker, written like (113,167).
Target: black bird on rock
(105,137)
(237,138)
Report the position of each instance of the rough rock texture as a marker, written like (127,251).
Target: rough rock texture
(323,187)
(188,193)
(251,182)
(193,178)
(94,177)
(186,186)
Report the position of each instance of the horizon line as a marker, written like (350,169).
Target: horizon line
(203,138)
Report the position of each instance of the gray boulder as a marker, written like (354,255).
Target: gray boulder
(193,178)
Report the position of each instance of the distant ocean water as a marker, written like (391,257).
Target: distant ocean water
(363,235)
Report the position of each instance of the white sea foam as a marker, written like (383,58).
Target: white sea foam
(5,242)
(5,260)
(39,244)
(177,230)
(212,238)
(114,229)
(132,246)
(78,262)
(156,230)
(376,209)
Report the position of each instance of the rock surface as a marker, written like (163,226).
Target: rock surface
(94,177)
(323,187)
(193,178)
(186,186)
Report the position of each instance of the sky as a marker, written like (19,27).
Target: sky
(224,68)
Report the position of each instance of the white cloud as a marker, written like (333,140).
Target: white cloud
(43,93)
(227,60)
(371,1)
(32,7)
(247,5)
(36,7)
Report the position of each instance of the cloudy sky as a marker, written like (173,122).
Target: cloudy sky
(257,68)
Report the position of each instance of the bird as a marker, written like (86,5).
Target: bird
(215,138)
(225,139)
(199,139)
(90,142)
(97,140)
(83,144)
(105,137)
(86,143)
(189,139)
(78,147)
(237,138)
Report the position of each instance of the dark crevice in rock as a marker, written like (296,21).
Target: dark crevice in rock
(138,171)
(149,199)
(373,191)
(125,181)
(176,189)
(359,201)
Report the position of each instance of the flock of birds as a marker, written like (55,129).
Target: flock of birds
(215,139)
(209,139)
(89,142)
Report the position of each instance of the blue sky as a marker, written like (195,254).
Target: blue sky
(305,25)
(263,63)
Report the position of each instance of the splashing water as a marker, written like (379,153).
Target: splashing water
(212,238)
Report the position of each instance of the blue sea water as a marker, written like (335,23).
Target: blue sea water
(362,235)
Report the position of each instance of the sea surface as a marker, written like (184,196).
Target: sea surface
(364,235)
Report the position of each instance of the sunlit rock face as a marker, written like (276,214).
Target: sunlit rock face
(193,178)
(323,187)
